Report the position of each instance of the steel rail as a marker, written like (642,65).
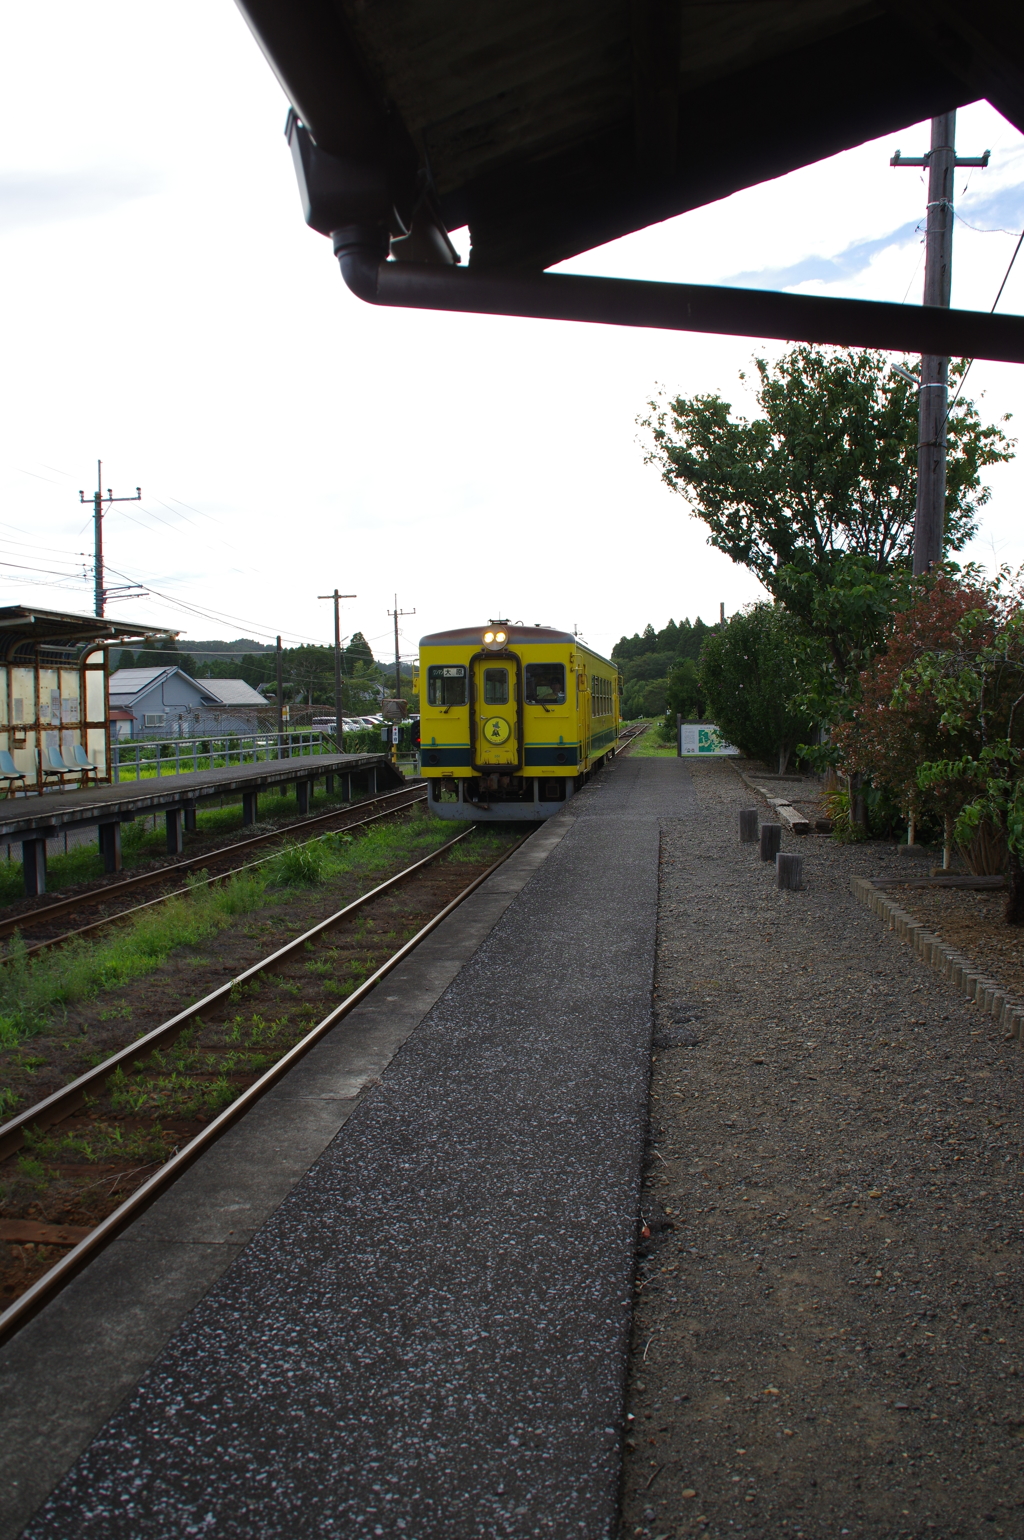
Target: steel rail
(54,1280)
(61,1104)
(234,871)
(63,905)
(630,737)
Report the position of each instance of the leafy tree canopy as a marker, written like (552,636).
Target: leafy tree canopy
(673,641)
(890,745)
(816,495)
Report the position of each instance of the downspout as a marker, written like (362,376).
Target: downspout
(352,201)
(683,307)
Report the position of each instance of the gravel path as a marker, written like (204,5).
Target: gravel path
(827,1338)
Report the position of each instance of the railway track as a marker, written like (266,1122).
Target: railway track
(629,735)
(46,917)
(129,1065)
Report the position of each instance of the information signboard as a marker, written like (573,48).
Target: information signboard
(702,738)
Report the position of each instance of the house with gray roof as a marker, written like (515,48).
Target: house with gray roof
(168,703)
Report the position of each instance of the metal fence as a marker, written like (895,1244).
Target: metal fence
(139,759)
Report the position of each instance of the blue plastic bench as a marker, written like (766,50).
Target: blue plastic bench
(9,771)
(83,762)
(54,767)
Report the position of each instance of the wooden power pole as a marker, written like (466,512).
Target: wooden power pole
(279,671)
(396,612)
(933,392)
(98,501)
(339,736)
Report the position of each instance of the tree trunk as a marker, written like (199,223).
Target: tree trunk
(783,757)
(858,805)
(947,842)
(1014,911)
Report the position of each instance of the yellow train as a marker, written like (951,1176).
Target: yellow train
(513,719)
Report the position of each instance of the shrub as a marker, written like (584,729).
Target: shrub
(751,670)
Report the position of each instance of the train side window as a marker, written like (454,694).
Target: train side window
(544,684)
(495,686)
(446,684)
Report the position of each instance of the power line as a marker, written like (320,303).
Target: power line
(218,619)
(1002,286)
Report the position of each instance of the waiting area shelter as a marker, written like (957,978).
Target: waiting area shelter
(54,696)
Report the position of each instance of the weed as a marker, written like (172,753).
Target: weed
(298,866)
(32,989)
(32,1170)
(9,1099)
(116,1012)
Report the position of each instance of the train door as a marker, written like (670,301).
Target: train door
(496,698)
(583,715)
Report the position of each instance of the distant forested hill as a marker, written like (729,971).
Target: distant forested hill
(647,661)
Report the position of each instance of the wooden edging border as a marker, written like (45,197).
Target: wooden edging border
(794,821)
(987,993)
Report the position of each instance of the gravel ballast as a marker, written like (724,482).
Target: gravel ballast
(827,1338)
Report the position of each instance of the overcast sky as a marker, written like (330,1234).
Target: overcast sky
(167,310)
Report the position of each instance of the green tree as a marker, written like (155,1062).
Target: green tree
(888,743)
(750,672)
(685,695)
(977,681)
(357,651)
(816,495)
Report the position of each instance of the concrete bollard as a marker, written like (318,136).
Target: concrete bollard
(771,840)
(789,871)
(748,825)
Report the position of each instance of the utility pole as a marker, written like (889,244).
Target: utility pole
(98,501)
(280,693)
(396,612)
(933,391)
(339,736)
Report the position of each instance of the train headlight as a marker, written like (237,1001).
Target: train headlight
(495,640)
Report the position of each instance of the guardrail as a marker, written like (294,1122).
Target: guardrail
(141,758)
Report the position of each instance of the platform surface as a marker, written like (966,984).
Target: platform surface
(428,1335)
(62,809)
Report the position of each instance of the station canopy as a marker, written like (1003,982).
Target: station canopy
(24,629)
(551,128)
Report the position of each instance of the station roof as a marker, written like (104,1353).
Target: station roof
(551,129)
(24,627)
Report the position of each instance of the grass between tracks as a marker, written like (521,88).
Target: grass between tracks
(649,744)
(35,991)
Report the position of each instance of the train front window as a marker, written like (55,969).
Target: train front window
(446,684)
(544,684)
(495,686)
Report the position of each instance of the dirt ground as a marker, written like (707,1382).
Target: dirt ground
(827,1334)
(972,923)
